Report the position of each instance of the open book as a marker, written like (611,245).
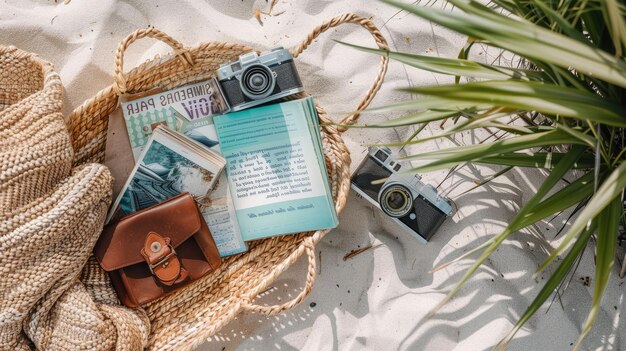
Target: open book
(170,164)
(276,169)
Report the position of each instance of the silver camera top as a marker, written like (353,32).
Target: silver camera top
(275,57)
(382,154)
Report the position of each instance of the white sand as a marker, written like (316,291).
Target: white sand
(376,300)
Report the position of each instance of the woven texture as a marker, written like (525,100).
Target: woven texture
(50,218)
(185,319)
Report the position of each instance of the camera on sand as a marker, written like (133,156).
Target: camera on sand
(415,206)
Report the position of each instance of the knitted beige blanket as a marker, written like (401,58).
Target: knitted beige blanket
(50,217)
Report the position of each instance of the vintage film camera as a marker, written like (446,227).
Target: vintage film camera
(415,206)
(255,80)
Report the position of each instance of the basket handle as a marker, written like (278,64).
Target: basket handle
(384,60)
(179,50)
(309,247)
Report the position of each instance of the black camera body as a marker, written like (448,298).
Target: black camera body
(415,206)
(254,80)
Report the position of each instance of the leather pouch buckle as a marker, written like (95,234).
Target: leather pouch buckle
(162,260)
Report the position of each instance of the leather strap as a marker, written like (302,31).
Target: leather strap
(162,260)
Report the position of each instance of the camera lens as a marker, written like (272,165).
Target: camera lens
(257,82)
(396,201)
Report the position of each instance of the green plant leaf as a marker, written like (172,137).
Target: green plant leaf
(521,219)
(486,180)
(464,54)
(510,128)
(577,48)
(465,51)
(617,26)
(553,282)
(469,153)
(535,210)
(585,138)
(608,224)
(532,96)
(610,189)
(457,67)
(565,26)
(423,104)
(470,124)
(577,191)
(535,160)
(416,118)
(526,39)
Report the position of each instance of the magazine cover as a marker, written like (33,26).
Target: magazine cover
(188,109)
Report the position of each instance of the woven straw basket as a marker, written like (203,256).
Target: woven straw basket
(185,319)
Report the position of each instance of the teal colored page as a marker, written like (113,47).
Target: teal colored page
(274,172)
(314,129)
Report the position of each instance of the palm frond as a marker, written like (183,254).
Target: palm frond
(525,39)
(572,74)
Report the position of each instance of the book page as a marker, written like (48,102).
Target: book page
(221,218)
(272,164)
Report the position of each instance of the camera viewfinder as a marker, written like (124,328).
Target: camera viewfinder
(381,156)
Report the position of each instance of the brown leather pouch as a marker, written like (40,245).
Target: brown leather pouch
(153,252)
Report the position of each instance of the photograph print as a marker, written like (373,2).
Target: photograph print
(161,175)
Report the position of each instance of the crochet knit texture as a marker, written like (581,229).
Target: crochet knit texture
(50,217)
